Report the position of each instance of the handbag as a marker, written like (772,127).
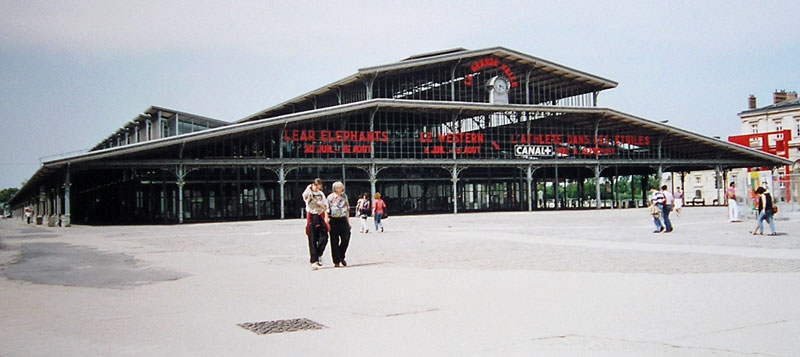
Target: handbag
(654,211)
(774,209)
(384,215)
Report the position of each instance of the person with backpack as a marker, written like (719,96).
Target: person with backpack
(363,207)
(766,209)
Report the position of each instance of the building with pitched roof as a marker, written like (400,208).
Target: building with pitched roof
(448,131)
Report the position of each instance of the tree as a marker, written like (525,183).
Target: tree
(6,194)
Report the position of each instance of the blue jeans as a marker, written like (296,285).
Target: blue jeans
(766,215)
(665,209)
(378,223)
(656,220)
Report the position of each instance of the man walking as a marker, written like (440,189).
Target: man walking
(657,200)
(667,208)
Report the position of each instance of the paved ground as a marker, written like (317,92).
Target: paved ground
(545,283)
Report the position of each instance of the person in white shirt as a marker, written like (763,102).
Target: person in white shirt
(657,201)
(668,201)
(733,206)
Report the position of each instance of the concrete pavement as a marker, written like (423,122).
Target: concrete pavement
(544,283)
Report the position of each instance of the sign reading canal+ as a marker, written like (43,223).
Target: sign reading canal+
(534,150)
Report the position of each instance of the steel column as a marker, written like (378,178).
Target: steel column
(67,213)
(181,182)
(282,182)
(555,189)
(257,192)
(529,177)
(717,182)
(454,174)
(597,186)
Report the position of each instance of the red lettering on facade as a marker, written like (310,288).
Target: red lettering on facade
(468,138)
(338,136)
(491,62)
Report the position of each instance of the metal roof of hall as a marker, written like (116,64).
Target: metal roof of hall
(615,119)
(166,113)
(455,54)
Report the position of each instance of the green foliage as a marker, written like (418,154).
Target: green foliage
(6,194)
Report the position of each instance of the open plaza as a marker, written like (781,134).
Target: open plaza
(585,282)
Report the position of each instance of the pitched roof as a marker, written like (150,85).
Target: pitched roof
(786,104)
(439,57)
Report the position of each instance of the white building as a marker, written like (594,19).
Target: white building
(772,122)
(783,114)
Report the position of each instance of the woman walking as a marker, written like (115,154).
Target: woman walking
(316,225)
(678,201)
(766,209)
(339,209)
(733,206)
(363,208)
(378,207)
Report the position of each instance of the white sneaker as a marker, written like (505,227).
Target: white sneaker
(319,263)
(314,266)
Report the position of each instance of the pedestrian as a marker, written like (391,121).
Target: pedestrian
(678,200)
(378,208)
(766,209)
(667,208)
(656,203)
(733,206)
(363,207)
(316,226)
(339,209)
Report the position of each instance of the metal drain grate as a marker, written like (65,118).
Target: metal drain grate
(279,326)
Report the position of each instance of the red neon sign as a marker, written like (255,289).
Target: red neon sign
(337,136)
(491,62)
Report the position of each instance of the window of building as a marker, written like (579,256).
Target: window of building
(754,128)
(165,129)
(797,127)
(699,179)
(698,194)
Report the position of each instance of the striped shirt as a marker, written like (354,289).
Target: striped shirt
(657,198)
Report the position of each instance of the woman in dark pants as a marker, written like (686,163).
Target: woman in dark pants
(316,224)
(339,213)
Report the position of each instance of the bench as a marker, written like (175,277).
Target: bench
(696,201)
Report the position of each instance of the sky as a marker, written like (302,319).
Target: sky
(73,72)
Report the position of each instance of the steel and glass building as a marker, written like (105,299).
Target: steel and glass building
(445,132)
